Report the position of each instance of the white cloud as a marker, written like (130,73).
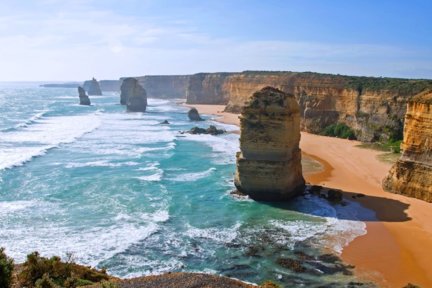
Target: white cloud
(79,41)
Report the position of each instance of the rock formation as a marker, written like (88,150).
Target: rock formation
(84,99)
(212,130)
(92,87)
(269,161)
(133,95)
(411,175)
(194,115)
(372,107)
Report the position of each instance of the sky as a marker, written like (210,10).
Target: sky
(62,40)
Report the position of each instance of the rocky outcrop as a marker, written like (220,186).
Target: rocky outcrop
(269,161)
(133,95)
(372,107)
(212,130)
(84,99)
(194,115)
(411,175)
(92,87)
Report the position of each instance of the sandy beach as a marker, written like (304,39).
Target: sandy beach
(396,249)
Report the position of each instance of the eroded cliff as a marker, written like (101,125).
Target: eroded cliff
(164,86)
(412,173)
(269,161)
(373,107)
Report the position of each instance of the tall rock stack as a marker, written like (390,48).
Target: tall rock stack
(133,95)
(411,175)
(92,87)
(269,162)
(84,99)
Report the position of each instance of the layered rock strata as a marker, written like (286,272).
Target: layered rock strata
(194,115)
(92,87)
(84,99)
(269,161)
(411,175)
(372,107)
(133,95)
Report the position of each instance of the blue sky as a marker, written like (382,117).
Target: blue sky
(74,40)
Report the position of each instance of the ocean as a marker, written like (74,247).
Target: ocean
(121,191)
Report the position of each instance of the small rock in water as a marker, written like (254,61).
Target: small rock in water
(165,122)
(212,130)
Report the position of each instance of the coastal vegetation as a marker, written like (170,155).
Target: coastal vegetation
(339,130)
(6,269)
(41,272)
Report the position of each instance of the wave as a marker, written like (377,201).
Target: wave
(224,147)
(115,238)
(330,228)
(28,122)
(101,163)
(190,177)
(18,147)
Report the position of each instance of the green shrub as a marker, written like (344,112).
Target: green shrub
(6,268)
(393,146)
(63,274)
(339,130)
(46,282)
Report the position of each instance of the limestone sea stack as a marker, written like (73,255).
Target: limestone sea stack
(133,95)
(93,87)
(194,115)
(269,162)
(84,99)
(411,175)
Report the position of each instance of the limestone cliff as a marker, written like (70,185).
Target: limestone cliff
(110,85)
(92,87)
(269,161)
(165,86)
(412,173)
(372,107)
(133,95)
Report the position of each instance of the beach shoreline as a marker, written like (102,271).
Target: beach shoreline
(394,251)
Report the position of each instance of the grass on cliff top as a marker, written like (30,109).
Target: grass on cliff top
(362,83)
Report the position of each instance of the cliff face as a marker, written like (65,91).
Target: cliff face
(412,173)
(205,88)
(372,107)
(92,87)
(110,85)
(269,161)
(165,86)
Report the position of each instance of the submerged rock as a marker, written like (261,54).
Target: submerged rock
(212,130)
(411,175)
(92,87)
(84,99)
(194,115)
(133,95)
(269,161)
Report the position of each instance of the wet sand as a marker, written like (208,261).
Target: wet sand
(397,247)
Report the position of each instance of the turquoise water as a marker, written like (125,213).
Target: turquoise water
(121,191)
